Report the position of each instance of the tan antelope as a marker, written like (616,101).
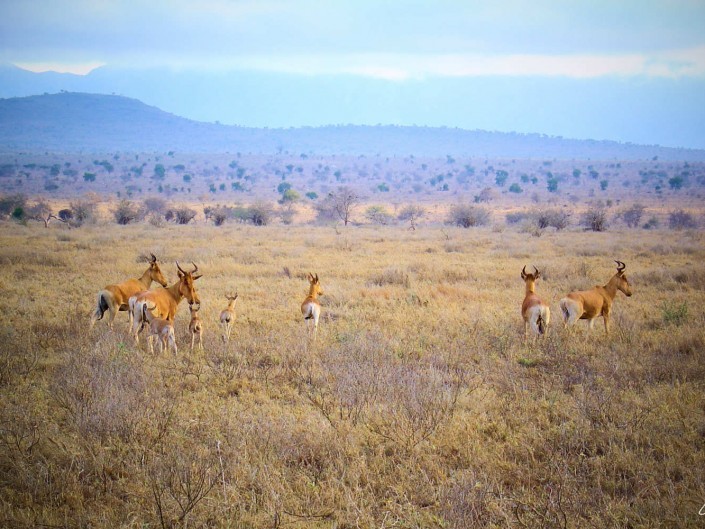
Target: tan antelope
(591,304)
(158,328)
(163,302)
(311,308)
(114,298)
(534,311)
(227,316)
(195,326)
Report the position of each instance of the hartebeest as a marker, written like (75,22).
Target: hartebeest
(534,311)
(227,316)
(596,302)
(114,298)
(195,326)
(160,329)
(163,302)
(311,308)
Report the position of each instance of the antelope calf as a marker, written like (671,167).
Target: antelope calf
(195,326)
(158,328)
(311,308)
(591,304)
(534,311)
(227,316)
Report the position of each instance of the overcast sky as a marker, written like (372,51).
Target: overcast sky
(389,39)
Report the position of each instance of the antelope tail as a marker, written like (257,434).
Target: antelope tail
(143,316)
(104,303)
(541,325)
(564,310)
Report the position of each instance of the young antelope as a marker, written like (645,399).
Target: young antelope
(227,317)
(159,329)
(311,308)
(195,326)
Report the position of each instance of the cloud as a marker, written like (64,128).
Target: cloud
(78,68)
(398,67)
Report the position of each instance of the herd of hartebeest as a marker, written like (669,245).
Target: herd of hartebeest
(156,309)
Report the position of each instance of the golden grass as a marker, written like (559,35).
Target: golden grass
(419,405)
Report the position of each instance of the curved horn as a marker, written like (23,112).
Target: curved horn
(620,266)
(195,268)
(536,270)
(154,259)
(180,269)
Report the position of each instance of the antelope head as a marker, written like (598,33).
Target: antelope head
(155,273)
(621,279)
(186,288)
(316,289)
(530,277)
(231,299)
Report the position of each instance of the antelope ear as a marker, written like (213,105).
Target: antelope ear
(199,276)
(181,274)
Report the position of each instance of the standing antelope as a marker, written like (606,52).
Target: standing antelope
(160,329)
(227,316)
(311,308)
(114,298)
(596,302)
(195,326)
(534,311)
(163,302)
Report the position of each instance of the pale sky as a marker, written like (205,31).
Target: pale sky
(395,40)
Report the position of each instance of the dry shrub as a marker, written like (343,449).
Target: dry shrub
(681,220)
(470,500)
(180,478)
(104,391)
(595,219)
(391,276)
(468,216)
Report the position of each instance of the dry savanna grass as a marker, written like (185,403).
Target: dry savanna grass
(418,405)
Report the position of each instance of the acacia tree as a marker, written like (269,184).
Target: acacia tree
(412,213)
(340,205)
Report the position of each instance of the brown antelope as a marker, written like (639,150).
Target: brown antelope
(114,298)
(227,316)
(311,308)
(158,328)
(534,311)
(195,326)
(591,304)
(163,302)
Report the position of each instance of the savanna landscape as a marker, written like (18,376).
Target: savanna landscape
(419,403)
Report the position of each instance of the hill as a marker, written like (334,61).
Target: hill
(79,122)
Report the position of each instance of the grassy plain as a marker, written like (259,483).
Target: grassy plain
(419,405)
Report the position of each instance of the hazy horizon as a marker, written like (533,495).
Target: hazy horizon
(628,72)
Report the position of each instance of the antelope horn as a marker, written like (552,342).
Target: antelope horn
(180,269)
(195,268)
(620,266)
(536,270)
(523,271)
(154,259)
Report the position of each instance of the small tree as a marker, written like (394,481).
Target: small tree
(126,212)
(183,215)
(378,215)
(468,216)
(412,213)
(632,216)
(260,213)
(595,219)
(681,220)
(339,205)
(83,211)
(9,203)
